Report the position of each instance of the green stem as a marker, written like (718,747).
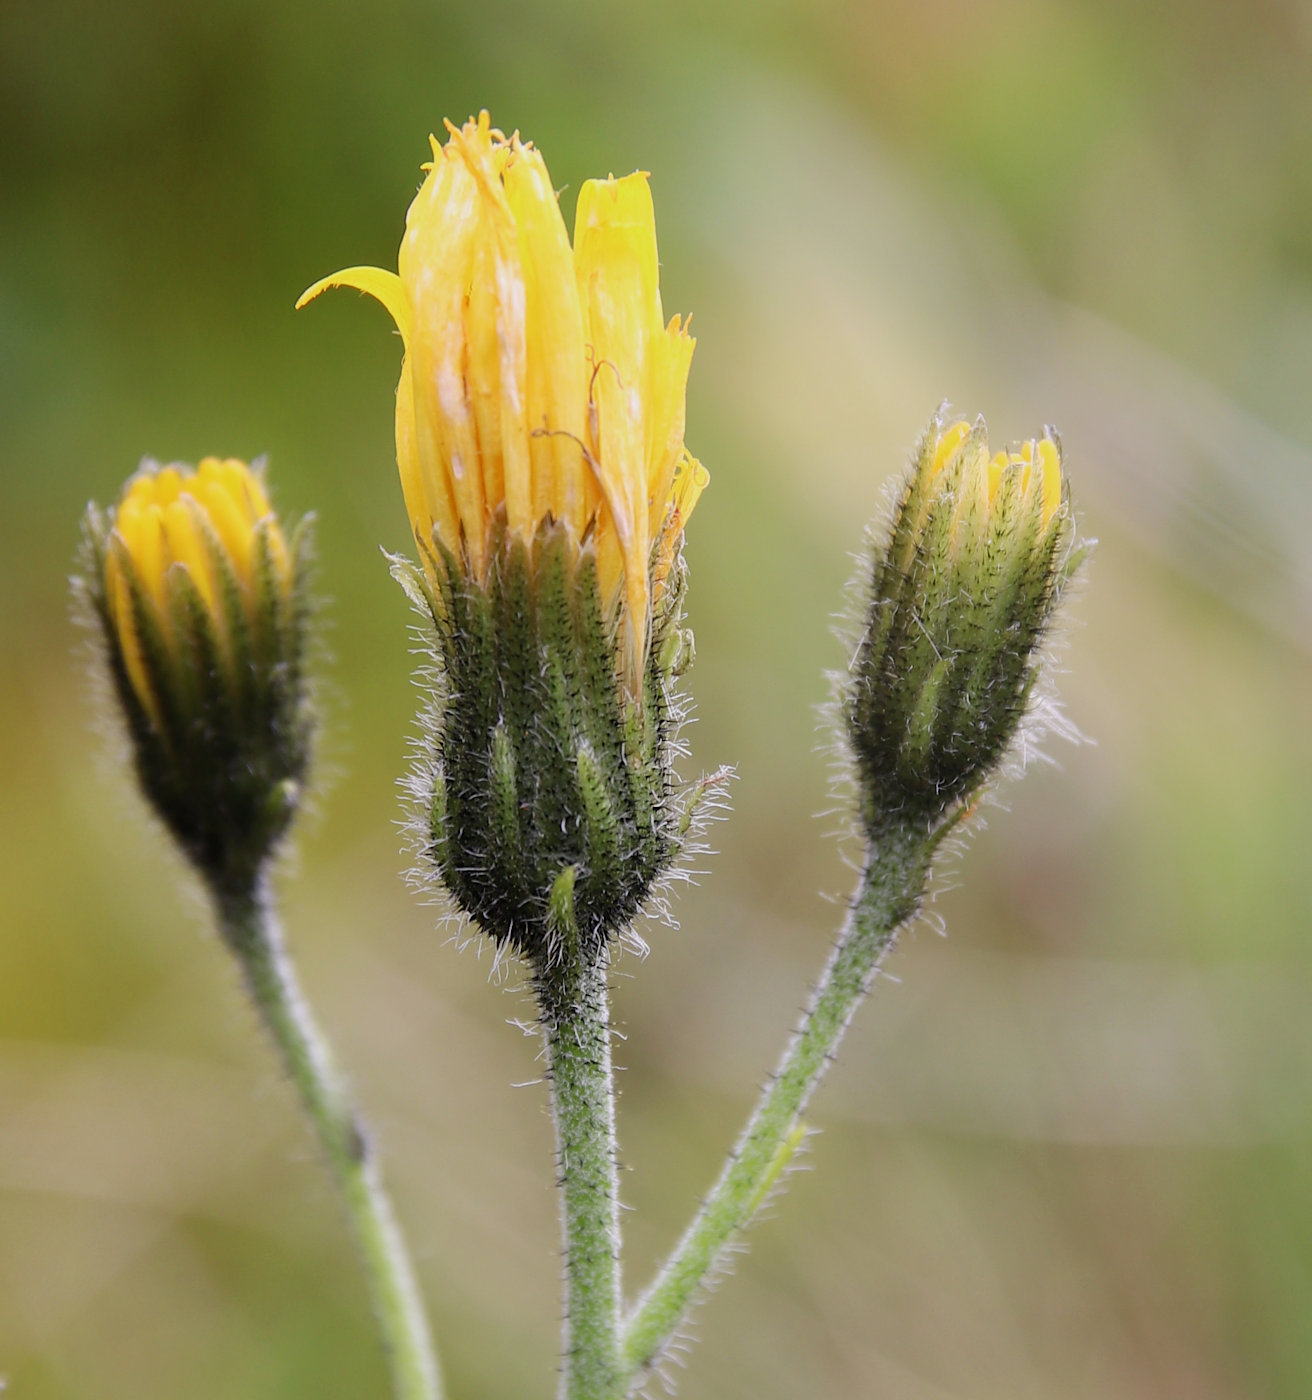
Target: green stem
(890,891)
(575,1024)
(250,928)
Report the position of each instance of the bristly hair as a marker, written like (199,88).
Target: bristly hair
(696,804)
(1044,715)
(121,739)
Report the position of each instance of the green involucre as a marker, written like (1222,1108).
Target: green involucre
(537,761)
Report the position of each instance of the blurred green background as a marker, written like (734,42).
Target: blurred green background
(1069,1153)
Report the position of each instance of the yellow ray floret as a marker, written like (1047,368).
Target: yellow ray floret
(539,380)
(1039,454)
(200,523)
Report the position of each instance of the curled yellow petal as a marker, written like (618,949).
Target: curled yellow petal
(383,286)
(690,479)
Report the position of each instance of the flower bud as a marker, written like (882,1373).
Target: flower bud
(539,437)
(200,601)
(961,598)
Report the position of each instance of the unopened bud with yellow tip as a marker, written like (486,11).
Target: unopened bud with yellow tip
(201,603)
(961,597)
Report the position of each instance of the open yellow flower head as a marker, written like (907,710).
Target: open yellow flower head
(195,530)
(539,380)
(200,601)
(540,442)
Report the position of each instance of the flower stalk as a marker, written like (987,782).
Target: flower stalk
(540,443)
(573,1012)
(961,596)
(203,612)
(890,891)
(251,930)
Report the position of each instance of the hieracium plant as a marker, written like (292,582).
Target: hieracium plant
(202,610)
(540,441)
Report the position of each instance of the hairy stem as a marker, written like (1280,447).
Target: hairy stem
(250,928)
(890,891)
(572,1004)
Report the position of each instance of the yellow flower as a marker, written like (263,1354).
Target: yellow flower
(210,527)
(538,380)
(1038,453)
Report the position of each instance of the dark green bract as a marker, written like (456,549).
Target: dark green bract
(538,763)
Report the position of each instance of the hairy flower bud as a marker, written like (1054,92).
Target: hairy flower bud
(200,601)
(539,436)
(961,597)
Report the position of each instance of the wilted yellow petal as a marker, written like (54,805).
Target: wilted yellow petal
(690,479)
(496,328)
(484,385)
(611,564)
(615,226)
(671,358)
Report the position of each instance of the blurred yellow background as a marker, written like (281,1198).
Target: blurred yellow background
(1069,1153)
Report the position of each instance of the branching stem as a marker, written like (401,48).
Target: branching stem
(890,891)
